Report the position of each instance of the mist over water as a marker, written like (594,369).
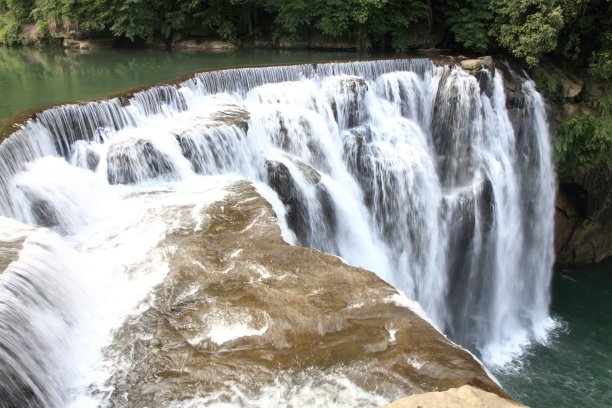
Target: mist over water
(419,173)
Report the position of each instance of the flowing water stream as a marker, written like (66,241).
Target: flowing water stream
(439,181)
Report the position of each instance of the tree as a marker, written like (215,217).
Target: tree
(527,28)
(469,22)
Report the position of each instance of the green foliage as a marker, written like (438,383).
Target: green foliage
(579,30)
(601,61)
(131,18)
(393,22)
(20,9)
(383,21)
(527,28)
(585,141)
(548,84)
(9,30)
(469,21)
(601,64)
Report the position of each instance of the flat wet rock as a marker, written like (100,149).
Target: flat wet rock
(464,397)
(240,308)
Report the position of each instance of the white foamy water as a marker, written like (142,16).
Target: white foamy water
(418,173)
(312,388)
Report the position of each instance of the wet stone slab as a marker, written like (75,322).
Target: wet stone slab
(240,309)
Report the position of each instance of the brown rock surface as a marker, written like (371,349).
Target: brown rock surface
(12,236)
(301,314)
(583,221)
(463,397)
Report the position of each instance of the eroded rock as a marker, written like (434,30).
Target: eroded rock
(241,309)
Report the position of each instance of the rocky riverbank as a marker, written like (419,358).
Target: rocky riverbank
(580,119)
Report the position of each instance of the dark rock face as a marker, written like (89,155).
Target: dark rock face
(299,311)
(134,161)
(299,212)
(583,221)
(583,216)
(298,216)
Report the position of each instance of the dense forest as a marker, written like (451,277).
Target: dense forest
(575,34)
(575,30)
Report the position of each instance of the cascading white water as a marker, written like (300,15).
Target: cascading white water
(40,309)
(416,172)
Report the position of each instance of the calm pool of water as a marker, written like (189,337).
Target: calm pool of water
(32,78)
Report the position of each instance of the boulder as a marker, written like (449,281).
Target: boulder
(471,64)
(241,312)
(463,397)
(487,61)
(476,64)
(572,85)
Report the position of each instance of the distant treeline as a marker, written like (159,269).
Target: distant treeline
(575,30)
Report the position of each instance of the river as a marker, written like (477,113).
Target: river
(573,369)
(33,78)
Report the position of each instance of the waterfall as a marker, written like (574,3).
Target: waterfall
(431,177)
(39,309)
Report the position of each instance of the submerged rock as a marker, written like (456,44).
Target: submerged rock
(132,161)
(209,141)
(346,96)
(242,311)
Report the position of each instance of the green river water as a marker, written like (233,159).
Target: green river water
(33,78)
(573,370)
